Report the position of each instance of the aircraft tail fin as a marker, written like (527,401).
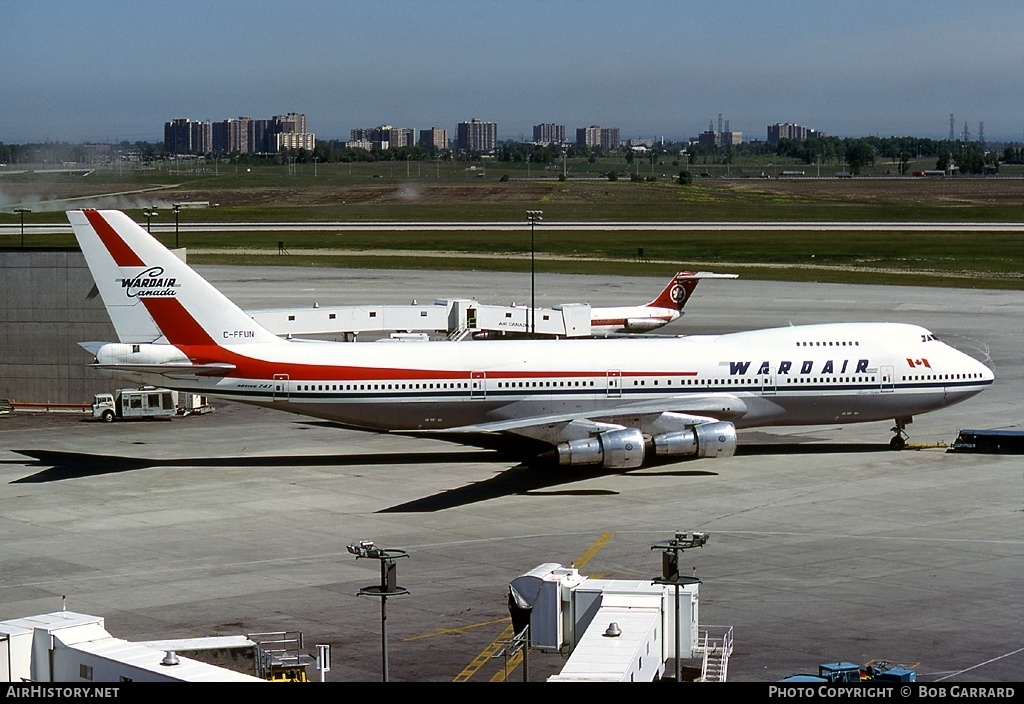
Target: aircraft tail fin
(681,287)
(150,294)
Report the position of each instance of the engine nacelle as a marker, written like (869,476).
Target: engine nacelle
(643,324)
(705,440)
(614,449)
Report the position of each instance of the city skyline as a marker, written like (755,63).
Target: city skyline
(110,70)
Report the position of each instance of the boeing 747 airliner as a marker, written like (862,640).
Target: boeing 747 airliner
(610,402)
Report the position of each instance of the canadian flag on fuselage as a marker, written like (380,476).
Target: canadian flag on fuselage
(918,363)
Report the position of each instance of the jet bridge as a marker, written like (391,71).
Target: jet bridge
(455,318)
(613,630)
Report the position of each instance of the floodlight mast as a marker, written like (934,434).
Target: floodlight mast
(683,540)
(534,216)
(388,586)
(176,208)
(150,213)
(22,211)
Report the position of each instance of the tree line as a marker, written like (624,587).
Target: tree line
(853,154)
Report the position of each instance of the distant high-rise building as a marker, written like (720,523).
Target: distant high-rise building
(708,138)
(548,133)
(477,136)
(435,139)
(184,136)
(595,137)
(262,136)
(588,136)
(242,135)
(384,137)
(232,135)
(787,130)
(293,122)
(289,132)
(729,138)
(402,137)
(610,138)
(294,140)
(178,136)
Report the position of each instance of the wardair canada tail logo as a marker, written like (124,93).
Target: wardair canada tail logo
(151,283)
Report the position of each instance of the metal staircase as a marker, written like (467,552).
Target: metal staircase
(459,333)
(714,647)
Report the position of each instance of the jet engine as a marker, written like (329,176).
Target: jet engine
(642,324)
(615,449)
(705,440)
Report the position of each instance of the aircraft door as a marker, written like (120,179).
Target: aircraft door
(280,392)
(885,374)
(478,384)
(768,387)
(613,378)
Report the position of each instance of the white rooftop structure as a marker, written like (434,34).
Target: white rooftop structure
(65,646)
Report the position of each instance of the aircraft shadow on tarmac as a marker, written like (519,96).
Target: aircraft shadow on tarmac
(525,478)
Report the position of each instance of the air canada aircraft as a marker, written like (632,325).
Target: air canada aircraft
(617,403)
(668,306)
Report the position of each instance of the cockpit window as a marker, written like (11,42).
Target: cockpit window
(928,338)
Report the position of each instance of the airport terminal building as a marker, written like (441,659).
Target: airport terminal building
(50,304)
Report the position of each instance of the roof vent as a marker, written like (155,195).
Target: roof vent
(613,630)
(170,659)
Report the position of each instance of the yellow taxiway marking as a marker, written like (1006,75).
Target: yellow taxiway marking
(462,629)
(500,642)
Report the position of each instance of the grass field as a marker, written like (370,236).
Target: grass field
(447,192)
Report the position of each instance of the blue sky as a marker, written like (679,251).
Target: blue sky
(115,69)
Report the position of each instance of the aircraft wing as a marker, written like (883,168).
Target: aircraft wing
(683,410)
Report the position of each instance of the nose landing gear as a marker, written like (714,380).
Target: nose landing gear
(900,437)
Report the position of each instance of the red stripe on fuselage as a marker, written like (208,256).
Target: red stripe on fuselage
(251,368)
(123,254)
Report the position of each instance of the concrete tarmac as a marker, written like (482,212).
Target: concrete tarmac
(824,544)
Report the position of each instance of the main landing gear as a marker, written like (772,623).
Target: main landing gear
(900,437)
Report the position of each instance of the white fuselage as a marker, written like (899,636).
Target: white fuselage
(832,373)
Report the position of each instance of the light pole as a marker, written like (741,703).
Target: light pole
(388,586)
(534,216)
(22,211)
(150,214)
(176,208)
(683,540)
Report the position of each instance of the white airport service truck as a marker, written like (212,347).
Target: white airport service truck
(147,402)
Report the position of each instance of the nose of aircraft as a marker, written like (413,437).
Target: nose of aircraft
(987,374)
(977,369)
